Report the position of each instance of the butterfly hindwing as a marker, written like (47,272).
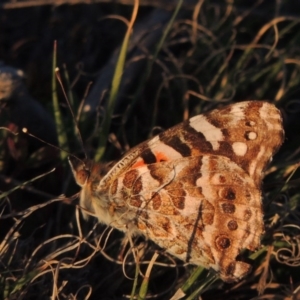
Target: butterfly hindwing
(202,209)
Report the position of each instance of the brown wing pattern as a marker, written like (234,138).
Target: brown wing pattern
(195,188)
(202,209)
(248,133)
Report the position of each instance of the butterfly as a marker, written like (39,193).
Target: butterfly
(194,189)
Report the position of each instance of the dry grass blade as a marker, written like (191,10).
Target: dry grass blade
(172,65)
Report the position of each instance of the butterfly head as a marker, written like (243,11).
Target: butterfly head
(81,170)
(88,173)
(86,177)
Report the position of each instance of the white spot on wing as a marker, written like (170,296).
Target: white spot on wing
(154,140)
(252,135)
(208,190)
(254,162)
(238,110)
(211,133)
(269,114)
(239,148)
(237,113)
(264,111)
(156,146)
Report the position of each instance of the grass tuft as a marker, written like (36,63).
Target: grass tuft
(204,57)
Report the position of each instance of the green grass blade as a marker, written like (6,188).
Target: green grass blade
(144,286)
(60,128)
(193,277)
(115,86)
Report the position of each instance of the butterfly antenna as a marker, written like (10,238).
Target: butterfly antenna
(57,73)
(25,130)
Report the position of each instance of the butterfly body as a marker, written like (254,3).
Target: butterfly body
(195,188)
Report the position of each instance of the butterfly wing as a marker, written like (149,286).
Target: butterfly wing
(202,209)
(248,133)
(195,188)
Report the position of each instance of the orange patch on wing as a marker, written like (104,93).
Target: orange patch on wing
(138,164)
(161,157)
